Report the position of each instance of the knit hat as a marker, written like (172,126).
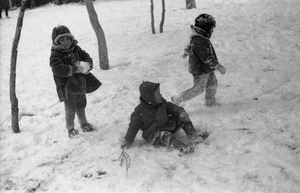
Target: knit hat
(59,32)
(205,22)
(147,90)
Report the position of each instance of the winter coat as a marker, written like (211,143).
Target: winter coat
(151,118)
(4,4)
(202,56)
(62,63)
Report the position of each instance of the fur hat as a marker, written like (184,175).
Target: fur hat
(205,22)
(59,32)
(147,90)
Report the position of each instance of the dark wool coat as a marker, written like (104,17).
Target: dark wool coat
(4,4)
(62,63)
(150,118)
(202,56)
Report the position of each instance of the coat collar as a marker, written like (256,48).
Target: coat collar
(62,49)
(196,31)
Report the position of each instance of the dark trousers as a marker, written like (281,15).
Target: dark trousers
(6,12)
(75,104)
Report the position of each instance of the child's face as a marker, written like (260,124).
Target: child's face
(65,41)
(158,96)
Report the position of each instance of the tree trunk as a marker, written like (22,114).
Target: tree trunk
(152,16)
(102,47)
(13,3)
(161,26)
(13,66)
(190,4)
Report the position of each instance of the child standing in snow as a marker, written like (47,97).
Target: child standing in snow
(202,62)
(4,4)
(159,120)
(70,66)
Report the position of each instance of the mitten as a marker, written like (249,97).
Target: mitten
(221,69)
(125,144)
(186,51)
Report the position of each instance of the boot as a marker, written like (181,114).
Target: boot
(212,104)
(72,133)
(186,149)
(87,127)
(204,135)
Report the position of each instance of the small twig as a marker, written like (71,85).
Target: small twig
(121,158)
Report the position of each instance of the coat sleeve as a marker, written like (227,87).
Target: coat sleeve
(59,68)
(205,51)
(85,57)
(134,125)
(173,109)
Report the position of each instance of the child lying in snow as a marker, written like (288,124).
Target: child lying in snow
(159,120)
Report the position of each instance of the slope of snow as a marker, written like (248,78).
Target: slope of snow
(254,142)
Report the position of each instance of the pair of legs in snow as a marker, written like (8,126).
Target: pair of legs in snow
(165,137)
(207,82)
(6,13)
(75,104)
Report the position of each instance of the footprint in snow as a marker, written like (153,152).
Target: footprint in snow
(97,175)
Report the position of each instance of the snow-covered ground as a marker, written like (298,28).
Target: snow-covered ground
(254,143)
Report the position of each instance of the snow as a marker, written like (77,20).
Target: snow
(254,142)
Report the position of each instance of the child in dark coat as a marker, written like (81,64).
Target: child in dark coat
(4,4)
(203,62)
(159,120)
(68,61)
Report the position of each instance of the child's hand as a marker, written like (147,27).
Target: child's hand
(187,50)
(125,144)
(221,69)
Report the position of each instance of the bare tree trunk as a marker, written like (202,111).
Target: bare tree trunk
(161,26)
(13,66)
(152,16)
(102,47)
(190,4)
(13,3)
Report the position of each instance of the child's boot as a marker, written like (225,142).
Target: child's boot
(72,133)
(204,135)
(214,104)
(198,138)
(211,101)
(186,149)
(87,127)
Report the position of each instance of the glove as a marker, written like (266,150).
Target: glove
(221,69)
(82,67)
(125,144)
(186,51)
(184,116)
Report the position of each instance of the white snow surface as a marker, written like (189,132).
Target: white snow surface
(254,142)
